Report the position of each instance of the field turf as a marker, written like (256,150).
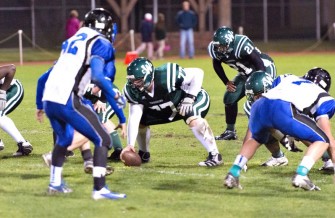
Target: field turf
(171,185)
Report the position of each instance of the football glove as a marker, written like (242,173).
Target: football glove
(186,106)
(121,102)
(3,99)
(288,143)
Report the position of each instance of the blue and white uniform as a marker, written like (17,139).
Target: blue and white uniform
(291,106)
(82,60)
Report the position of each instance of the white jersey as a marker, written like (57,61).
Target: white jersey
(71,72)
(306,96)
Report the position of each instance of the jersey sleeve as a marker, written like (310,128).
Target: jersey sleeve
(110,70)
(104,49)
(211,51)
(244,48)
(327,108)
(40,88)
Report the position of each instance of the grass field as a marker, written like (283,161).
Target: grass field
(171,185)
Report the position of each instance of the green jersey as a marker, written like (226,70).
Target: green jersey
(168,91)
(238,59)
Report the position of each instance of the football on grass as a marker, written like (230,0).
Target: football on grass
(131,159)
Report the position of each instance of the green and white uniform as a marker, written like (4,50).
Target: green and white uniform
(239,59)
(171,84)
(15,94)
(169,91)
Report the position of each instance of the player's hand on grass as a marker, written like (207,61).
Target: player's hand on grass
(39,115)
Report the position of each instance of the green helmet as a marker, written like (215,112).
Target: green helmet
(223,40)
(259,82)
(140,73)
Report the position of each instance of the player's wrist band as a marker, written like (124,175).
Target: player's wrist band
(190,96)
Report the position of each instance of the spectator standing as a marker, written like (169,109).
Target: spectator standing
(72,24)
(186,20)
(160,35)
(147,28)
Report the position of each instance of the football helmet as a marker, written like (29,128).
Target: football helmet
(320,77)
(100,20)
(259,82)
(140,73)
(223,40)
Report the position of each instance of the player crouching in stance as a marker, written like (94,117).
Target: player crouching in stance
(166,94)
(11,95)
(292,106)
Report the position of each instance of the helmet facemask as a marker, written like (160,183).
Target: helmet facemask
(140,74)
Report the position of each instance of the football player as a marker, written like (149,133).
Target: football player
(239,53)
(166,94)
(82,60)
(105,113)
(261,83)
(11,95)
(296,107)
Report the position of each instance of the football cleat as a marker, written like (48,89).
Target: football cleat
(274,162)
(59,189)
(69,154)
(109,170)
(327,165)
(213,159)
(227,135)
(115,156)
(2,145)
(105,193)
(232,182)
(25,148)
(145,156)
(304,182)
(88,166)
(47,157)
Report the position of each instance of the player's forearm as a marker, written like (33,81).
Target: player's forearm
(135,114)
(40,88)
(220,72)
(97,65)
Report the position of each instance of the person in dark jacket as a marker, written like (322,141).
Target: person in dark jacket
(160,35)
(147,28)
(186,20)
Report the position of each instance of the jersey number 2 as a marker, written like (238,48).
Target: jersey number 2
(70,47)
